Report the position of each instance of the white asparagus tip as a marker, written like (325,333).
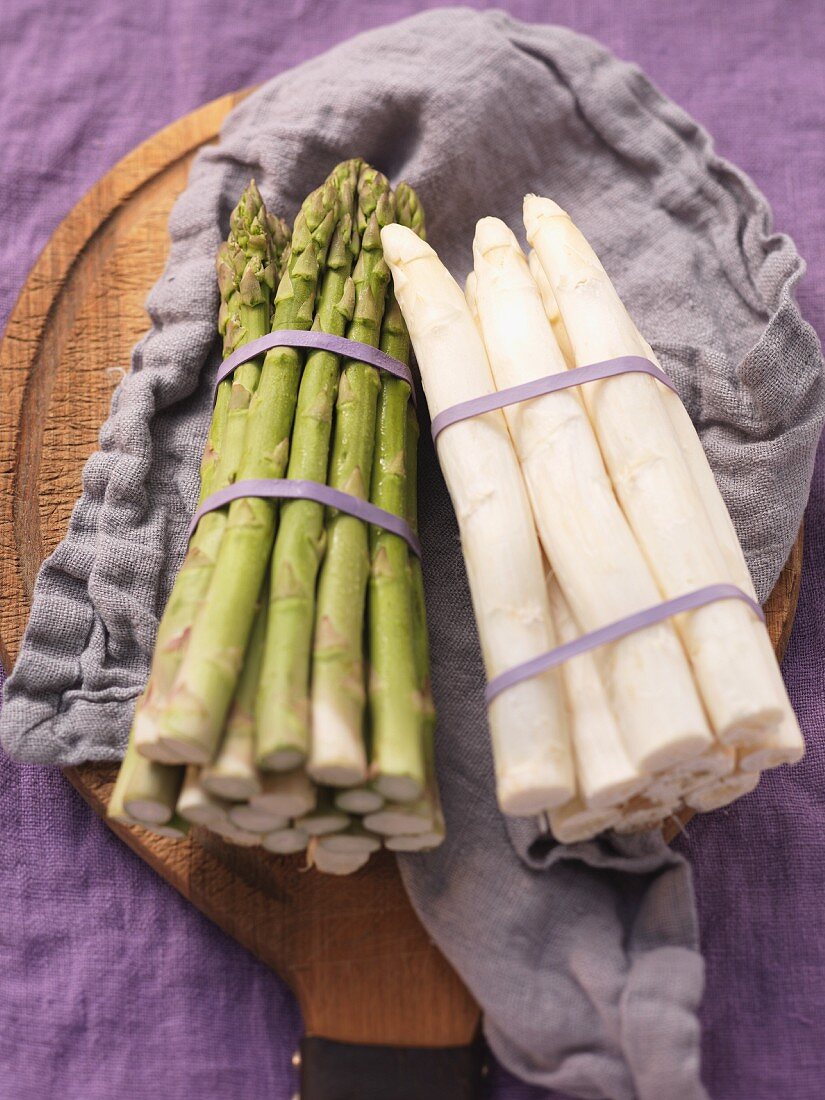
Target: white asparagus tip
(493,233)
(536,208)
(402,246)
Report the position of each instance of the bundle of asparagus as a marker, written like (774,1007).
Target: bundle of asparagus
(254,721)
(610,482)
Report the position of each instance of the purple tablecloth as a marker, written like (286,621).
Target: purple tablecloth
(110,984)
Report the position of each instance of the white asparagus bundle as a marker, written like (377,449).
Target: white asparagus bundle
(587,539)
(784,745)
(736,673)
(533,761)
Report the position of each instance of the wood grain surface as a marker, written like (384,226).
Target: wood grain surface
(352,949)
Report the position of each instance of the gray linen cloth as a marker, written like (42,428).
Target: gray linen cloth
(584,958)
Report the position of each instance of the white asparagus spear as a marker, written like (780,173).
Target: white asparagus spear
(604,770)
(574,821)
(587,539)
(722,792)
(719,760)
(784,744)
(533,761)
(470,293)
(654,484)
(551,309)
(641,814)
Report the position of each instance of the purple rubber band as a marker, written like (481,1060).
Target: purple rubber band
(320,341)
(299,489)
(551,383)
(619,629)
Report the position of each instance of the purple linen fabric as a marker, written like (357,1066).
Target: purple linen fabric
(109,983)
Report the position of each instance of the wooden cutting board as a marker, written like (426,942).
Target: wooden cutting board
(361,965)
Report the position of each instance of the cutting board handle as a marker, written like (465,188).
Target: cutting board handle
(331,1070)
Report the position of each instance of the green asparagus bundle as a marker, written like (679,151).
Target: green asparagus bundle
(281,616)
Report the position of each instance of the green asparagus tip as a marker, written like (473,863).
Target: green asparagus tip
(410,212)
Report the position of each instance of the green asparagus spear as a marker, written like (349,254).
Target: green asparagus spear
(193,717)
(397,760)
(246,268)
(283,698)
(233,775)
(421,642)
(338,756)
(144,792)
